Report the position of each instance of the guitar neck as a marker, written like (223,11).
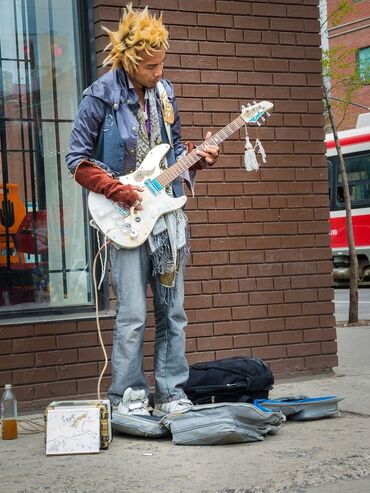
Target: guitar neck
(171,173)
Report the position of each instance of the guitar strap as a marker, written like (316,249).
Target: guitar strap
(167,110)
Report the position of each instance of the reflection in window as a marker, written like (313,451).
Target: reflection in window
(358,174)
(363,64)
(44,259)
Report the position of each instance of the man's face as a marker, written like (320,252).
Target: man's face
(149,70)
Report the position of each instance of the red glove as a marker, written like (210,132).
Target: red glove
(90,176)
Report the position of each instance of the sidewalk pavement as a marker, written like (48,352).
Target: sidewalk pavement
(323,456)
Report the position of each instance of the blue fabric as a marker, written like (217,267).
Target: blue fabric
(131,272)
(105,128)
(302,408)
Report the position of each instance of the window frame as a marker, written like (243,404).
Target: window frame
(365,78)
(83,25)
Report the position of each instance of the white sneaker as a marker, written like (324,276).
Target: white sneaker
(171,407)
(134,402)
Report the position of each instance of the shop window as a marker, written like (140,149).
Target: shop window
(45,246)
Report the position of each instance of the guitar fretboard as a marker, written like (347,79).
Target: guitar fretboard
(171,173)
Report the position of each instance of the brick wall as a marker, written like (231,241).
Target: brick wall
(259,278)
(353,32)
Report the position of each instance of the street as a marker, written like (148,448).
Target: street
(341,299)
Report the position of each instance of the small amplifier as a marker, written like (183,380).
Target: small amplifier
(77,427)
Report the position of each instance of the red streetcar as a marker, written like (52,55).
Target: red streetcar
(355,145)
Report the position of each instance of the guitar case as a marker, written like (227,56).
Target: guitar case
(302,408)
(208,424)
(139,425)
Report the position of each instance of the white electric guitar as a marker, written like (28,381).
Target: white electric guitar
(129,228)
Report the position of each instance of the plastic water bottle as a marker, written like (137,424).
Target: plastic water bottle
(9,414)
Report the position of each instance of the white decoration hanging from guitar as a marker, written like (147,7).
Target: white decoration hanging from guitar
(128,228)
(250,159)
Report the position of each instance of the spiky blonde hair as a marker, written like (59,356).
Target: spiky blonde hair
(138,32)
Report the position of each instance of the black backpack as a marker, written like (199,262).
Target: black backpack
(238,379)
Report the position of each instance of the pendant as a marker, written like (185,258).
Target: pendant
(168,114)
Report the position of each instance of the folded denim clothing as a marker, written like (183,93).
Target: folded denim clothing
(303,408)
(139,425)
(222,423)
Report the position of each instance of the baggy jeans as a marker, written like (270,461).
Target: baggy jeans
(131,273)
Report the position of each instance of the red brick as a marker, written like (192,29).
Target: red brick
(306,349)
(76,340)
(286,337)
(280,24)
(191,345)
(229,353)
(200,330)
(267,325)
(249,256)
(83,370)
(231,327)
(215,20)
(13,331)
(328,347)
(321,362)
(211,286)
(265,284)
(35,375)
(194,358)
(232,7)
(198,302)
(303,11)
(34,344)
(233,271)
(6,377)
(90,325)
(203,6)
(197,32)
(48,358)
(287,367)
(210,344)
(270,352)
(229,286)
(249,312)
(250,340)
(192,288)
(251,22)
(6,347)
(212,315)
(17,361)
(320,334)
(235,299)
(266,297)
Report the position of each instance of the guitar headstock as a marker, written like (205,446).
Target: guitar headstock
(252,113)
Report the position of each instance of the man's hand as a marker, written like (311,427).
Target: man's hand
(209,155)
(90,176)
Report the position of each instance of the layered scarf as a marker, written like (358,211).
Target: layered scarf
(169,240)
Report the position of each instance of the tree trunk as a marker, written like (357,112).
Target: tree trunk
(353,266)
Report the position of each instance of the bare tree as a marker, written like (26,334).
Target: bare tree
(338,72)
(353,265)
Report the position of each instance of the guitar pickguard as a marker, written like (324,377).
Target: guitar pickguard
(124,226)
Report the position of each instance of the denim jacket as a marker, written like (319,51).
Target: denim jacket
(105,129)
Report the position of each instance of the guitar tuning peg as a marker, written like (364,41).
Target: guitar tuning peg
(258,123)
(254,102)
(268,114)
(263,118)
